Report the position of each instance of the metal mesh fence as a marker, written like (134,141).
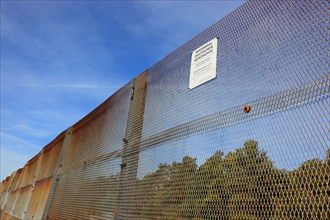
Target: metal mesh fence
(251,144)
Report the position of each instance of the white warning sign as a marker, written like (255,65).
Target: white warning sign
(203,64)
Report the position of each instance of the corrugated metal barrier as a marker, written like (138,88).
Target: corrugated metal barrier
(252,143)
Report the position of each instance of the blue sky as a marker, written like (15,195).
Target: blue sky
(61,59)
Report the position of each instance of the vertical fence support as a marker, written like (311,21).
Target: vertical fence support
(32,185)
(57,172)
(132,142)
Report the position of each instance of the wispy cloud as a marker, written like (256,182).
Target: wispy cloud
(60,60)
(7,138)
(27,129)
(174,22)
(63,86)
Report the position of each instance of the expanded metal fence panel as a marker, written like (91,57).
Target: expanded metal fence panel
(6,216)
(89,192)
(30,171)
(130,155)
(4,197)
(264,47)
(3,200)
(100,132)
(22,202)
(17,180)
(204,157)
(38,199)
(49,158)
(7,183)
(26,191)
(248,170)
(11,201)
(87,185)
(252,143)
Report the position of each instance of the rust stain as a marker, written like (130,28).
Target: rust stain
(38,199)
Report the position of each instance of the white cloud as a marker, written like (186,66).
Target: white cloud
(60,60)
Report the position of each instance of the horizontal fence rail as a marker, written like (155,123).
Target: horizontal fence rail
(251,142)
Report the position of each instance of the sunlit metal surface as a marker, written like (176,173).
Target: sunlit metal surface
(253,143)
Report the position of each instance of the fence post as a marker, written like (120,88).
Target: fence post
(132,142)
(57,171)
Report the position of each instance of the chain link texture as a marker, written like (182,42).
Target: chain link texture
(253,143)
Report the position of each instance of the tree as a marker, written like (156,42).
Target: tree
(244,184)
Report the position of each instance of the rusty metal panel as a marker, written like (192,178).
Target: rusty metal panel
(6,184)
(30,171)
(17,182)
(6,216)
(58,168)
(88,192)
(14,218)
(100,132)
(20,208)
(38,199)
(10,204)
(253,143)
(130,156)
(49,158)
(3,200)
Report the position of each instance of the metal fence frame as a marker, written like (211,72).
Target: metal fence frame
(92,170)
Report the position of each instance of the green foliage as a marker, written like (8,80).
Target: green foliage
(241,185)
